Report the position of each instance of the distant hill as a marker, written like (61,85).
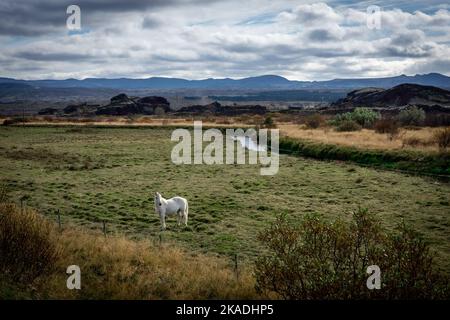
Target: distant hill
(398,96)
(265,82)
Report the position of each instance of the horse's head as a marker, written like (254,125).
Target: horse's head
(157,201)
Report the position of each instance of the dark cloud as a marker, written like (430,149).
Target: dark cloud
(34,18)
(150,23)
(41,56)
(321,35)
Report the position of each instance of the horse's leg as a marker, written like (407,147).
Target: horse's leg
(163,221)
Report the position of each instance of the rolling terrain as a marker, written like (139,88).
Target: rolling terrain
(107,174)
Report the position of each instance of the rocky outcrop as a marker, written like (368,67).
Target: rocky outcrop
(80,109)
(48,111)
(398,96)
(121,105)
(216,108)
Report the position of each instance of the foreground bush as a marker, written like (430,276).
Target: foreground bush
(328,260)
(28,246)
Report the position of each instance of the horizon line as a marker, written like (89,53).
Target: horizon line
(224,78)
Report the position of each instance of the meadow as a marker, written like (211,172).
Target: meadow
(94,174)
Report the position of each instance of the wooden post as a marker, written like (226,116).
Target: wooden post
(236,266)
(160,239)
(104,227)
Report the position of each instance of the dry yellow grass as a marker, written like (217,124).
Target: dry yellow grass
(119,268)
(140,121)
(116,267)
(365,138)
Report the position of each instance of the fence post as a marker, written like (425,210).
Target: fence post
(160,239)
(104,227)
(236,266)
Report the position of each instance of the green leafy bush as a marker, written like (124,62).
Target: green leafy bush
(364,117)
(411,116)
(317,259)
(269,122)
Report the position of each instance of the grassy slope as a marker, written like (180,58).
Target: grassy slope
(113,267)
(93,174)
(407,160)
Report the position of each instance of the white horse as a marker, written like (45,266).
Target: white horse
(167,207)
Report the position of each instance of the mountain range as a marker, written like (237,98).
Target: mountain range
(265,82)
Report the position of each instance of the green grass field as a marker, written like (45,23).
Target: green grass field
(111,174)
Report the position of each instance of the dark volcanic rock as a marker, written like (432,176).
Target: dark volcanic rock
(398,96)
(123,105)
(153,100)
(80,109)
(120,98)
(217,109)
(48,111)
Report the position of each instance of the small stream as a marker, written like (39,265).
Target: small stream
(248,143)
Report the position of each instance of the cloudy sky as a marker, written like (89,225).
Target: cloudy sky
(196,39)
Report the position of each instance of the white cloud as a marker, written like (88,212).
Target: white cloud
(214,39)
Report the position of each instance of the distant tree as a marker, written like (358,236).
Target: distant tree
(269,122)
(412,116)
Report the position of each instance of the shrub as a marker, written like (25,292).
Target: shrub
(269,122)
(28,247)
(364,117)
(317,259)
(314,121)
(348,125)
(442,138)
(411,116)
(388,126)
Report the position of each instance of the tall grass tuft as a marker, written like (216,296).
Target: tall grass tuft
(28,245)
(442,138)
